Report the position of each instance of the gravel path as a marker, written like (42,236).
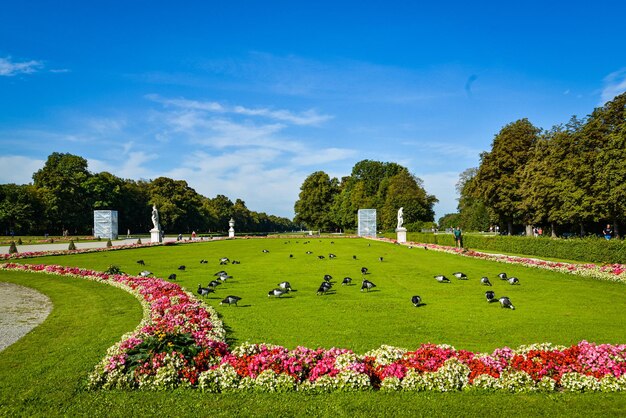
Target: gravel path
(21,310)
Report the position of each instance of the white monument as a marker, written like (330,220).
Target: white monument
(155,233)
(400,230)
(105,224)
(367,223)
(231,230)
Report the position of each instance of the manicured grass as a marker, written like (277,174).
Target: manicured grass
(551,307)
(43,374)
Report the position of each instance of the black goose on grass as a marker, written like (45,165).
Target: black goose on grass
(363,270)
(328,277)
(367,285)
(321,257)
(276,292)
(214,283)
(331,255)
(230,300)
(203,291)
(224,260)
(505,302)
(221,273)
(172,276)
(485,281)
(502,276)
(346,281)
(380,259)
(442,279)
(145,273)
(513,280)
(203,261)
(182,268)
(459,275)
(416,300)
(490,296)
(285,285)
(324,287)
(354,257)
(141,262)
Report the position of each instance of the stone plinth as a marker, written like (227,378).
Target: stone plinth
(401,232)
(155,235)
(231,233)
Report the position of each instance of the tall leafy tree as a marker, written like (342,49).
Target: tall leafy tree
(20,206)
(500,174)
(313,207)
(406,191)
(473,214)
(63,179)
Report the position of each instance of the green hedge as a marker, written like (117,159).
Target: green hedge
(594,250)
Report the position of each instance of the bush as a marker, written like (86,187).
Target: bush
(71,247)
(138,241)
(19,241)
(114,269)
(109,243)
(591,249)
(12,248)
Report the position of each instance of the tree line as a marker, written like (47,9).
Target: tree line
(64,195)
(571,178)
(330,204)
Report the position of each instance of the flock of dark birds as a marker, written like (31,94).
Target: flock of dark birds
(366,285)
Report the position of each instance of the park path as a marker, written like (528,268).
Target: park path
(21,310)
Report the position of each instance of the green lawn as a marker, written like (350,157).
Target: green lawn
(44,373)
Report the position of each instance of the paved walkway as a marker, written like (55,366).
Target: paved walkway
(21,310)
(79,245)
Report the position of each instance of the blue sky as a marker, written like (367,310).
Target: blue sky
(248,98)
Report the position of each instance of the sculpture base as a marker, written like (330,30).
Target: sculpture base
(155,235)
(401,233)
(231,233)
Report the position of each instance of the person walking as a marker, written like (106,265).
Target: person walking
(458,238)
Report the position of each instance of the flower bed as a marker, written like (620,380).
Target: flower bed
(180,342)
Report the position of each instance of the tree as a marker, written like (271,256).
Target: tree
(473,214)
(19,209)
(63,177)
(500,173)
(178,204)
(404,190)
(313,207)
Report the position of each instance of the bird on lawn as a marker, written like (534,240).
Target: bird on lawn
(221,273)
(276,292)
(172,277)
(366,284)
(513,280)
(214,283)
(224,277)
(182,267)
(490,296)
(230,300)
(505,302)
(460,276)
(309,252)
(328,277)
(502,276)
(324,287)
(236,262)
(363,270)
(141,263)
(290,255)
(145,273)
(285,285)
(485,281)
(203,261)
(442,279)
(354,257)
(331,255)
(416,300)
(321,257)
(224,260)
(346,281)
(380,259)
(203,291)
(266,251)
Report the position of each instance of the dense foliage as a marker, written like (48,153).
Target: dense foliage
(64,195)
(330,204)
(570,178)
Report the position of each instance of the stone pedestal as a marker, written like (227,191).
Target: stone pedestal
(155,235)
(231,230)
(401,232)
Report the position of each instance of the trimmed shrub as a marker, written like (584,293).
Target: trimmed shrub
(138,241)
(19,241)
(109,243)
(71,247)
(592,249)
(12,248)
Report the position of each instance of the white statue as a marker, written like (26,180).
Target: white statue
(155,217)
(400,218)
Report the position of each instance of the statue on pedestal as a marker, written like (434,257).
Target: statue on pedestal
(155,218)
(400,218)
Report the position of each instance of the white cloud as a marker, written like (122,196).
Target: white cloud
(10,68)
(308,117)
(18,169)
(614,84)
